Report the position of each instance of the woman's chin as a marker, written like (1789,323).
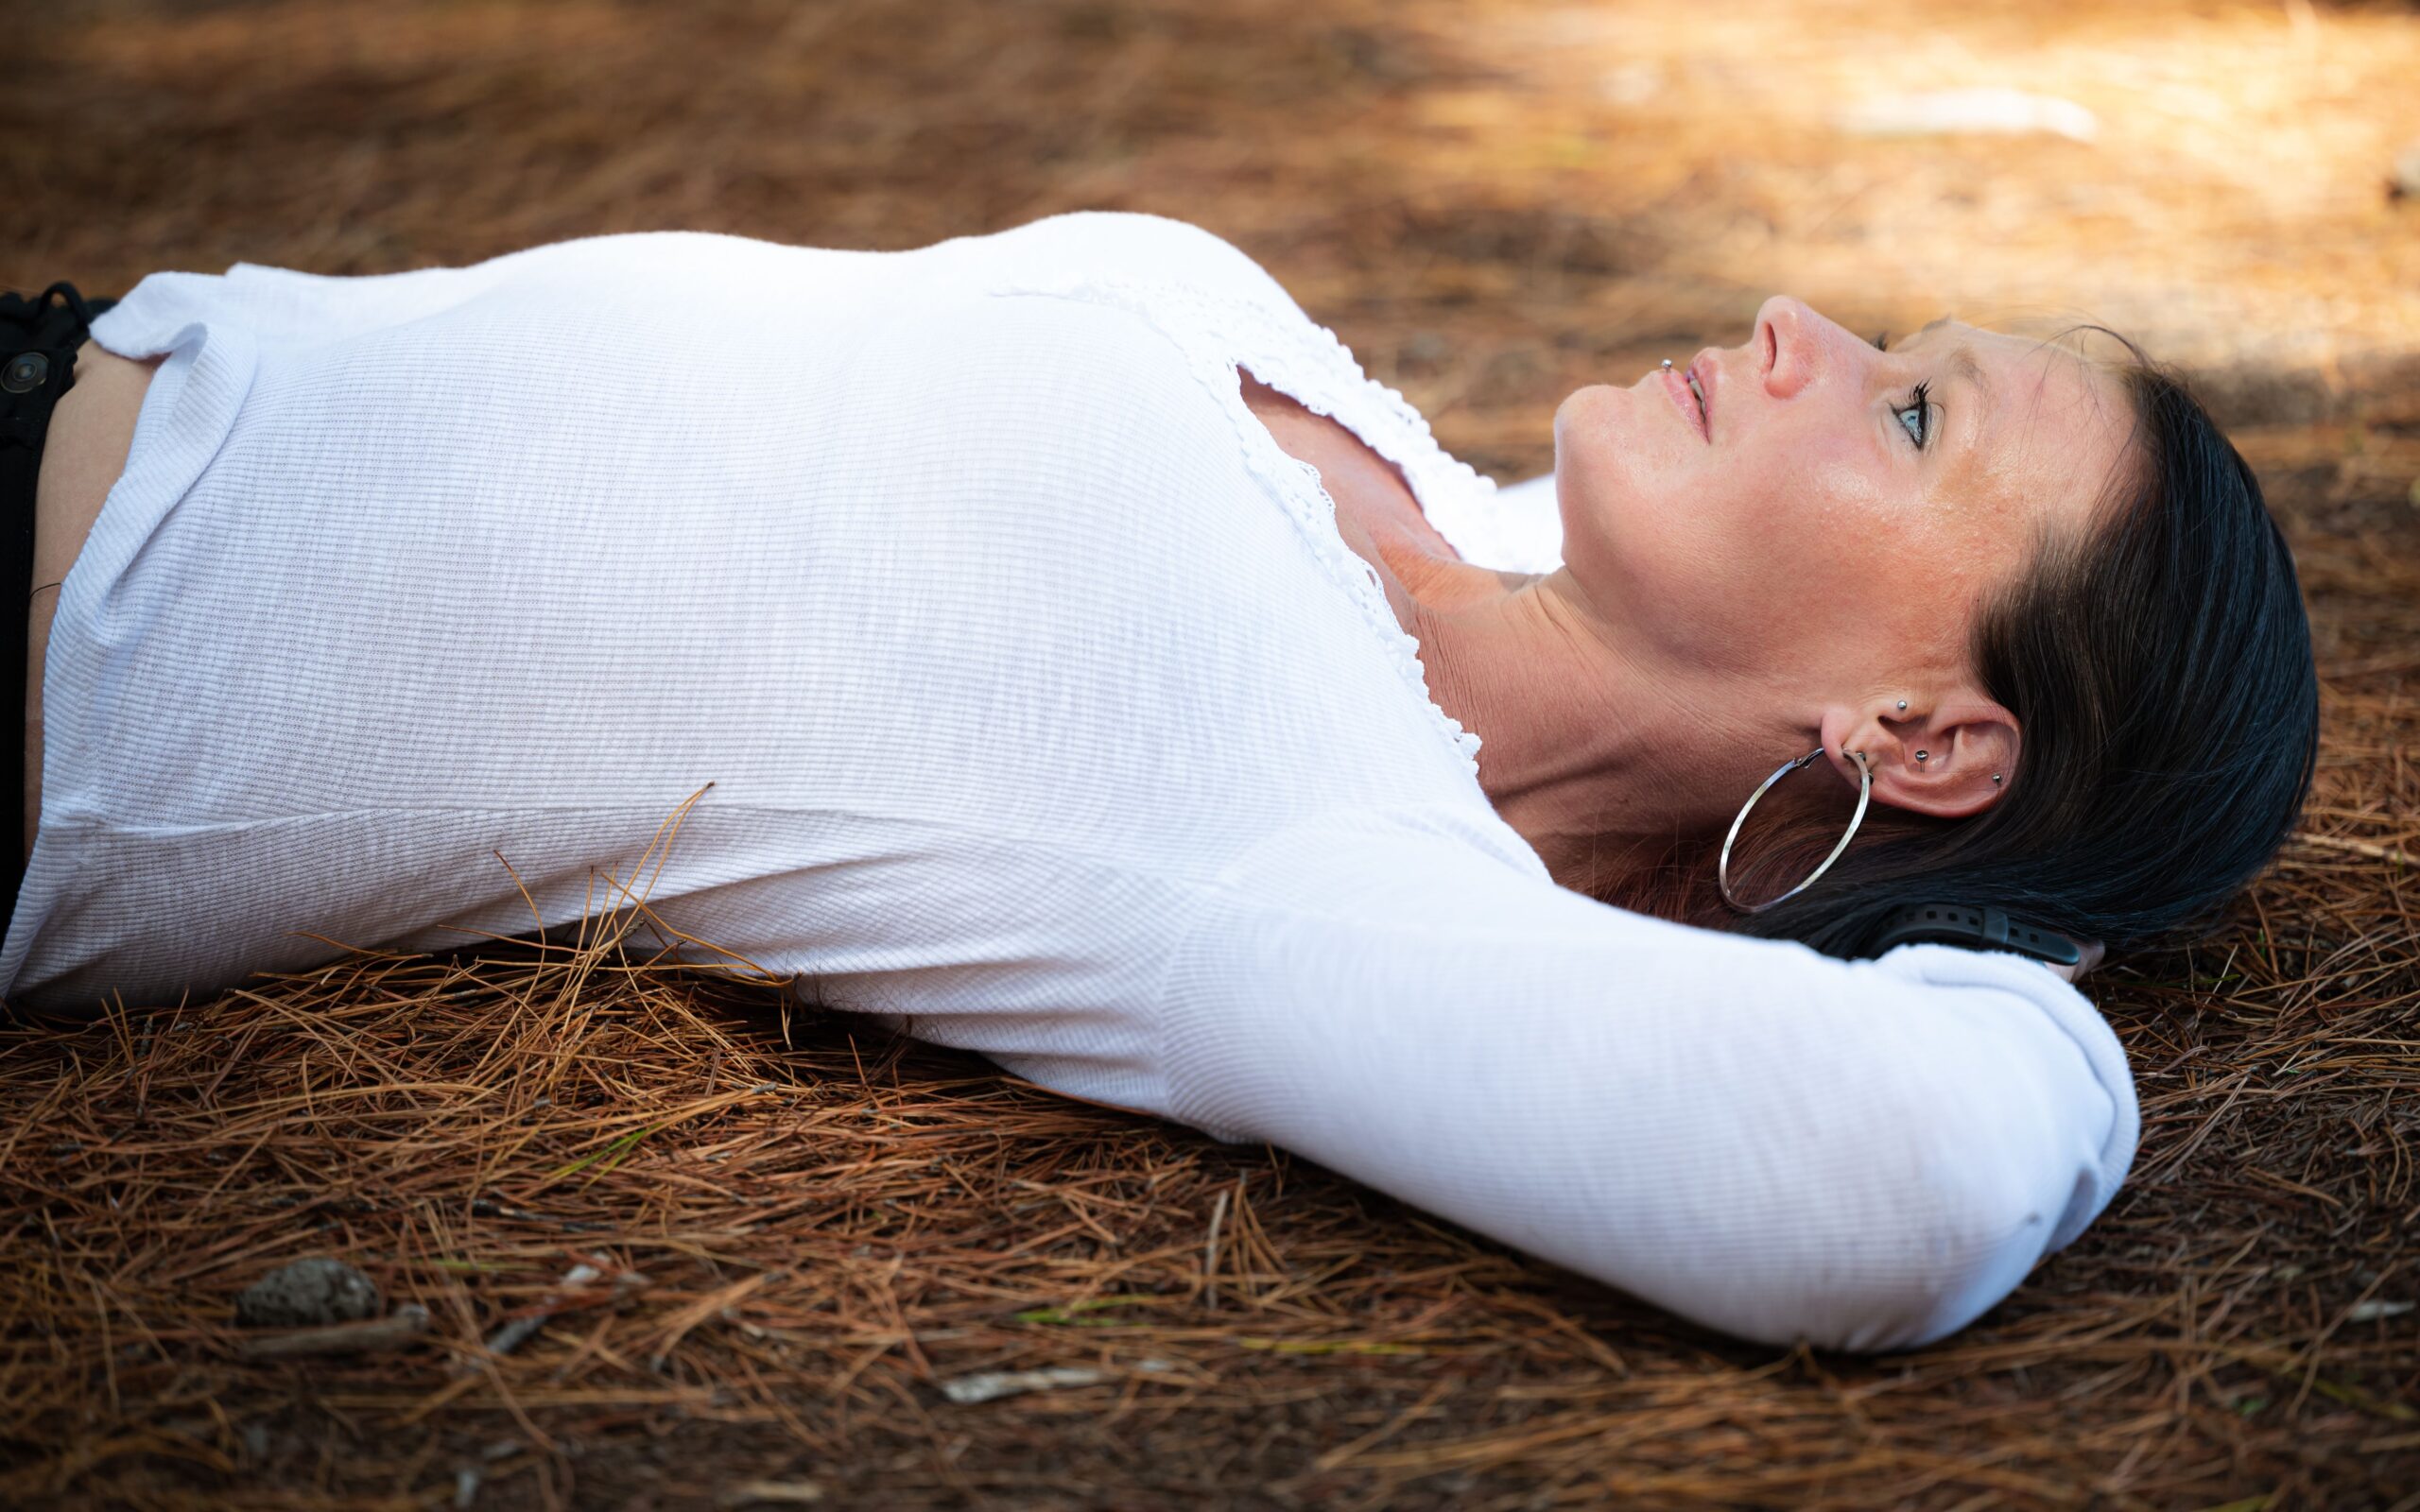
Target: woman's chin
(1605,448)
(1599,411)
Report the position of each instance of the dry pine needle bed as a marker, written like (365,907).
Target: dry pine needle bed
(648,1234)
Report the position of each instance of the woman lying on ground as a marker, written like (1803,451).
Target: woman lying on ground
(1091,665)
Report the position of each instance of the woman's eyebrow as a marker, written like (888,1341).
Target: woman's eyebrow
(1963,363)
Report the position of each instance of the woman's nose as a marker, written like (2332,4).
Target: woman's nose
(1788,345)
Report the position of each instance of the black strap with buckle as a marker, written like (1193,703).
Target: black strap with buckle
(38,341)
(1987,929)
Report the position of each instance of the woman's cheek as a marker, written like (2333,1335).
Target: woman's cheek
(1834,512)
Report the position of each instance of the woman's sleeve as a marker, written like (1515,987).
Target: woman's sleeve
(1525,528)
(1769,1142)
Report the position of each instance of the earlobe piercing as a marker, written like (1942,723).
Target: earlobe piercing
(1995,777)
(1723,861)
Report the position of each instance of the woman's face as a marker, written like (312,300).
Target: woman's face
(1832,518)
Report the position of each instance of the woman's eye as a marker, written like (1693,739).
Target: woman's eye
(1915,417)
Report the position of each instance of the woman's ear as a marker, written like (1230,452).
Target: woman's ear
(1949,757)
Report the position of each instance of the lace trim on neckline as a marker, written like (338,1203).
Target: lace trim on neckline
(1221,333)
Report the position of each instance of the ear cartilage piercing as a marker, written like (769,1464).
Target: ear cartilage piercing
(1667,365)
(1924,755)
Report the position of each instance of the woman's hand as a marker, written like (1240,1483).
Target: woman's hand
(2093,950)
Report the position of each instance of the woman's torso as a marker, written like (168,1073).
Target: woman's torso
(955,573)
(1378,514)
(92,429)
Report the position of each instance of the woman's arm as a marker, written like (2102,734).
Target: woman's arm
(1767,1141)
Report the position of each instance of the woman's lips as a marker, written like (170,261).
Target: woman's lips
(1676,383)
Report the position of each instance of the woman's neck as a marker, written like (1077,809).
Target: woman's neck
(1599,758)
(1603,761)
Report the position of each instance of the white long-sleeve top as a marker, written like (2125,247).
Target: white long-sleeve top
(1046,712)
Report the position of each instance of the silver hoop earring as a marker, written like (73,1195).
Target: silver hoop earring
(1723,863)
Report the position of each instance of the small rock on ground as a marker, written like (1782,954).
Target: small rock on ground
(306,1294)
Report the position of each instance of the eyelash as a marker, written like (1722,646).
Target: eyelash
(1923,433)
(1915,402)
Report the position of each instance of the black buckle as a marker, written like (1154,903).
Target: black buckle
(39,339)
(25,373)
(1989,929)
(31,382)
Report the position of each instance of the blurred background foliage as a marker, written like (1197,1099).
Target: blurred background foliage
(1490,200)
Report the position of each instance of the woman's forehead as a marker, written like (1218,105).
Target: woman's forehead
(2053,422)
(2029,371)
(2074,342)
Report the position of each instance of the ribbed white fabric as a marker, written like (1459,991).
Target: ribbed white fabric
(1046,710)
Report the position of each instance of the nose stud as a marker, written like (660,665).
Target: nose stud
(1903,706)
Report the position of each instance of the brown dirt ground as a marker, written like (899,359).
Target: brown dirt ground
(1491,201)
